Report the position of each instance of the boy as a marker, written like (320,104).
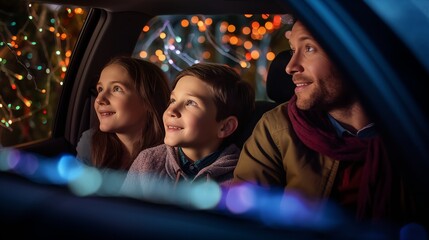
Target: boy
(206,111)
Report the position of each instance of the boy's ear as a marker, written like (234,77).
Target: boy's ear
(228,126)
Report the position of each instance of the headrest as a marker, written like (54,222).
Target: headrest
(280,87)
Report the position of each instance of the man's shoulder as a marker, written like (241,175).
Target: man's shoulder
(277,114)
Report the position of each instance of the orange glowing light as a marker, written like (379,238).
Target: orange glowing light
(255,54)
(270,56)
(202,28)
(269,26)
(184,23)
(143,54)
(194,19)
(233,40)
(246,30)
(27,102)
(277,21)
(78,11)
(248,56)
(208,21)
(248,44)
(231,28)
(255,25)
(206,54)
(262,30)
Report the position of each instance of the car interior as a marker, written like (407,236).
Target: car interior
(389,87)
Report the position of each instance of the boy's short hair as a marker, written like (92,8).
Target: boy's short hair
(232,95)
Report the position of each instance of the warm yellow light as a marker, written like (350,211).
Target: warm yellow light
(243,64)
(269,26)
(27,102)
(18,76)
(262,30)
(248,45)
(143,54)
(162,35)
(159,52)
(162,58)
(78,10)
(270,56)
(255,54)
(202,28)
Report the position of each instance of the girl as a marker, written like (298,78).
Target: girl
(132,96)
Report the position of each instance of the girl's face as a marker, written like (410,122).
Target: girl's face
(119,107)
(190,119)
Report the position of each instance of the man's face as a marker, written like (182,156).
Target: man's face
(318,83)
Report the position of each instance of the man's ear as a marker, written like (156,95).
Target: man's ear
(227,126)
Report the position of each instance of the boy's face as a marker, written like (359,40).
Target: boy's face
(190,119)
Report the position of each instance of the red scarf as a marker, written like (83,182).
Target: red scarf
(375,190)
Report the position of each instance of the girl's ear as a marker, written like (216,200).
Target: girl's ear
(227,126)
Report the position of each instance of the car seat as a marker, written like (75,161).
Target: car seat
(279,87)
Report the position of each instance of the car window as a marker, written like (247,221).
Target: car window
(417,14)
(36,44)
(247,42)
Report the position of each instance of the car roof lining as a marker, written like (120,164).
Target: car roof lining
(165,7)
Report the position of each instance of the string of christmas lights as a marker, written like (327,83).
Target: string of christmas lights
(35,47)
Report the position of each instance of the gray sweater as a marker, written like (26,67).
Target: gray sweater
(160,165)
